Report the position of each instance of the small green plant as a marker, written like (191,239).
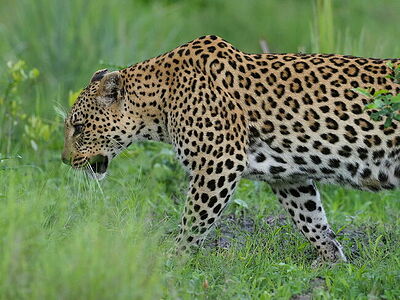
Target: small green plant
(17,124)
(18,78)
(18,74)
(395,72)
(384,104)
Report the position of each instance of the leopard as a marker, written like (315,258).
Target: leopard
(290,120)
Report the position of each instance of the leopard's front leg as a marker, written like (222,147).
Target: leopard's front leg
(210,138)
(210,190)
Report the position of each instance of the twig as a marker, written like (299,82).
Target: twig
(264,46)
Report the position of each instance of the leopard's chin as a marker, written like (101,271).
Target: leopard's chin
(97,167)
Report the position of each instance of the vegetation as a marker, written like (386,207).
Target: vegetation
(384,104)
(63,236)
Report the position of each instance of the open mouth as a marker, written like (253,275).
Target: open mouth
(98,164)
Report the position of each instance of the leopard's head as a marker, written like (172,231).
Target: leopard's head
(96,128)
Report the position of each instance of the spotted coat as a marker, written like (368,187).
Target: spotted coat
(287,119)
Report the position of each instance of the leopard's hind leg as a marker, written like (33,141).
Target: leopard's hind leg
(303,203)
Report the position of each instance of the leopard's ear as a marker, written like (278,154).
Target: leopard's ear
(110,87)
(98,75)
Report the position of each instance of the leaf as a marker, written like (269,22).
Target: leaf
(396,106)
(379,102)
(241,203)
(371,105)
(381,112)
(375,116)
(363,92)
(34,73)
(34,145)
(380,92)
(73,96)
(388,122)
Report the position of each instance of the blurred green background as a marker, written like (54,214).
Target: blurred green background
(63,236)
(68,40)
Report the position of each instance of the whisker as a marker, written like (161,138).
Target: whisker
(60,111)
(97,181)
(120,151)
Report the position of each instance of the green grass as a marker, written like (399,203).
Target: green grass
(63,236)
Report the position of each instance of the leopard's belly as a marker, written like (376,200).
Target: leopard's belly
(266,164)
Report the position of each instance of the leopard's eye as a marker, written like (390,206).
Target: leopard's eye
(78,129)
